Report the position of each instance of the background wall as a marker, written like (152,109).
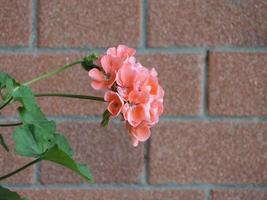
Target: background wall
(211,56)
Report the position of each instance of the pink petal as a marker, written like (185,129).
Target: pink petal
(106,63)
(133,140)
(95,74)
(136,114)
(126,75)
(112,51)
(153,72)
(116,64)
(138,97)
(115,104)
(142,133)
(98,85)
(109,96)
(114,108)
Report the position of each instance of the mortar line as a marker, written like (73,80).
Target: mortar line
(208,194)
(34,33)
(204,85)
(36,174)
(192,186)
(178,50)
(145,173)
(143,24)
(165,118)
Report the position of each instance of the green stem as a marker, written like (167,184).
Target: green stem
(11,124)
(20,169)
(70,96)
(6,102)
(52,73)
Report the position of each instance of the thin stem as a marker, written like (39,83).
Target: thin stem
(70,96)
(11,124)
(20,169)
(6,102)
(52,73)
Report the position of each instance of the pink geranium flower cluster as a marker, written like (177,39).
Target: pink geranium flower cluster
(131,89)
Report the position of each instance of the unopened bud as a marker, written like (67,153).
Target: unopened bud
(88,62)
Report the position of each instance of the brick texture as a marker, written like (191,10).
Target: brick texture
(108,152)
(207,22)
(15,22)
(237,84)
(9,161)
(113,194)
(90,23)
(180,76)
(205,152)
(211,58)
(239,194)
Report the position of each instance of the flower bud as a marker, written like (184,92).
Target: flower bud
(88,62)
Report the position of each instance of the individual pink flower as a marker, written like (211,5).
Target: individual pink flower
(121,51)
(151,82)
(115,102)
(103,79)
(125,79)
(135,114)
(130,77)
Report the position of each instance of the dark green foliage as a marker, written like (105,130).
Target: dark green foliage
(38,137)
(6,194)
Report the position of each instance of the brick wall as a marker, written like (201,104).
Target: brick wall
(211,143)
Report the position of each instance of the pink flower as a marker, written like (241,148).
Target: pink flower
(115,102)
(132,90)
(121,51)
(102,79)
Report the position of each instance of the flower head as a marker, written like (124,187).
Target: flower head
(132,90)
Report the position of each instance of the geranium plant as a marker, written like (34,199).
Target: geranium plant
(131,91)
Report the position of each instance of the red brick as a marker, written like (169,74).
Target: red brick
(208,152)
(15,22)
(112,194)
(74,80)
(237,84)
(108,152)
(9,161)
(88,23)
(239,194)
(180,77)
(207,22)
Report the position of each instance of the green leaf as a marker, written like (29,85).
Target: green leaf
(26,142)
(6,194)
(9,84)
(105,118)
(38,136)
(2,142)
(38,133)
(7,81)
(56,155)
(63,144)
